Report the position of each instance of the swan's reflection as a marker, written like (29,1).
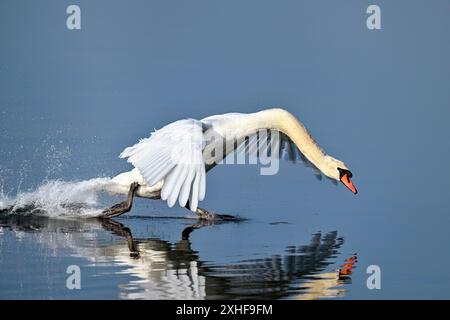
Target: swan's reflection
(162,270)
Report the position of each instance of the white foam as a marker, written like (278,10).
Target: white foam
(54,198)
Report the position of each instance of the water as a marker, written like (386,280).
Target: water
(71,101)
(141,264)
(145,255)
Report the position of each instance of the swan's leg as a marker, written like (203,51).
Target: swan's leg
(121,208)
(206,215)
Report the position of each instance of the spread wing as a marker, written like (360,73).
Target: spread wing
(261,145)
(173,154)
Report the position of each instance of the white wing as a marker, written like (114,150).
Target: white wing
(173,153)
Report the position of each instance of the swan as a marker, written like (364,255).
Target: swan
(172,163)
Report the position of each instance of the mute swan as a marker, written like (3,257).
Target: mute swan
(172,163)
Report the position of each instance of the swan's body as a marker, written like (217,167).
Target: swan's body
(121,184)
(172,163)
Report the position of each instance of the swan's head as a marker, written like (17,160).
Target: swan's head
(337,170)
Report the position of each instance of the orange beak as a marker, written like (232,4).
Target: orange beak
(348,183)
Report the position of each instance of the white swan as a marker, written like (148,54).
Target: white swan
(172,163)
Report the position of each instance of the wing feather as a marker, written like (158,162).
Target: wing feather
(257,146)
(173,154)
(193,200)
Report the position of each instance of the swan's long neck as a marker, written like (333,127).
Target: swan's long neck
(285,122)
(238,125)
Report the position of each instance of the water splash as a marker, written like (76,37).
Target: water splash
(57,154)
(56,198)
(5,201)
